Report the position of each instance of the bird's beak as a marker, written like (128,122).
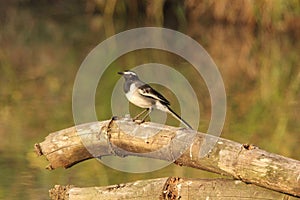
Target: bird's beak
(121,73)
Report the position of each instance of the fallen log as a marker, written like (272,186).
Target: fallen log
(114,137)
(169,188)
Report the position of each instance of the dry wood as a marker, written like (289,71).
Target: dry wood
(170,188)
(115,137)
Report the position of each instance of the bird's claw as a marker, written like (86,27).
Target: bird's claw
(138,121)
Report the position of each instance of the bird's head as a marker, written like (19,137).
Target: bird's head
(128,75)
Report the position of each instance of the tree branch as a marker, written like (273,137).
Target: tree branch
(123,137)
(170,188)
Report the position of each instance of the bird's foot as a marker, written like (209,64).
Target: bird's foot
(138,121)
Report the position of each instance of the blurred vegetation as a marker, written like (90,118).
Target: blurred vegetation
(255,44)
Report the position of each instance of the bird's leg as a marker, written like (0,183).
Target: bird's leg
(143,119)
(136,117)
(149,111)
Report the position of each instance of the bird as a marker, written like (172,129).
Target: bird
(144,96)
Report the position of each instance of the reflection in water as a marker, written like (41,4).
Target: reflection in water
(41,52)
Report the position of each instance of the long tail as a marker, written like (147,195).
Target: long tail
(178,117)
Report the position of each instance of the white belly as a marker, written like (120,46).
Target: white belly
(134,97)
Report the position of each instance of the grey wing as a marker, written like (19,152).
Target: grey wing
(147,91)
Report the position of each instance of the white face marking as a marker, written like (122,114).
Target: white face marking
(130,73)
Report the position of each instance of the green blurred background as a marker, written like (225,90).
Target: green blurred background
(255,44)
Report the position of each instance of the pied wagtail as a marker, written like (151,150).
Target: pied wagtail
(144,96)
